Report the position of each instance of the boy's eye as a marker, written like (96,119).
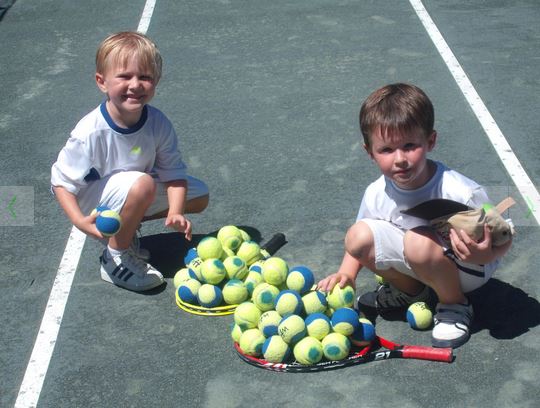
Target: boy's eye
(386,150)
(409,146)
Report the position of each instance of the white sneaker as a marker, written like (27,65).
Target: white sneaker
(140,252)
(129,271)
(451,325)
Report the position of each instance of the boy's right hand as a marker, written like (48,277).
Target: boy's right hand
(87,224)
(328,283)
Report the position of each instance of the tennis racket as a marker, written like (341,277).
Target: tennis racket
(379,349)
(267,250)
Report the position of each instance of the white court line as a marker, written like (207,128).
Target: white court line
(522,181)
(38,365)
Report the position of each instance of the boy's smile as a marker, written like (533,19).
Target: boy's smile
(128,89)
(403,157)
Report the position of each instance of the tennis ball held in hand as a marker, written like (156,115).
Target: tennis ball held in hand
(108,222)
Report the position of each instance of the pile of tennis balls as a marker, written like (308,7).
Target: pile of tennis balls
(286,317)
(220,270)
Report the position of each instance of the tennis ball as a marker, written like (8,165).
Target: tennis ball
(379,279)
(230,237)
(341,297)
(292,328)
(336,346)
(275,270)
(345,321)
(245,235)
(99,209)
(256,266)
(314,302)
(190,255)
(275,350)
(264,296)
(236,332)
(187,291)
(318,325)
(195,267)
(183,275)
(209,295)
(269,322)
(252,280)
(419,316)
(209,248)
(108,222)
(247,315)
(308,351)
(249,251)
(301,279)
(226,253)
(364,334)
(288,302)
(236,267)
(234,292)
(213,271)
(251,342)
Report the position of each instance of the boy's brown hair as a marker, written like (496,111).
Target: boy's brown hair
(396,108)
(117,49)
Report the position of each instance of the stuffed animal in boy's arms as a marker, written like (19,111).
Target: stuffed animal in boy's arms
(444,215)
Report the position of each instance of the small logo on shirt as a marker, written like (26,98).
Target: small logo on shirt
(136,151)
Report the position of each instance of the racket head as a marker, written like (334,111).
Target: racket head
(204,311)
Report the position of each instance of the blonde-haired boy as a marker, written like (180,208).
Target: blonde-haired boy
(124,155)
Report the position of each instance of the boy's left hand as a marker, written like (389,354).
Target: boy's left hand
(481,252)
(179,223)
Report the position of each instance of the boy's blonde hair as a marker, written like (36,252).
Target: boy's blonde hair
(117,49)
(395,109)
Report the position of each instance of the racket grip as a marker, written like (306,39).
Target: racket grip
(428,353)
(272,246)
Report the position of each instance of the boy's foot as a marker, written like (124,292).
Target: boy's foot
(451,325)
(389,299)
(129,271)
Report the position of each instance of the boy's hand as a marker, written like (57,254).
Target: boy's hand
(328,283)
(87,225)
(179,223)
(481,252)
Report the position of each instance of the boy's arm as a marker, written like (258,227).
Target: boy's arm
(346,274)
(68,202)
(176,194)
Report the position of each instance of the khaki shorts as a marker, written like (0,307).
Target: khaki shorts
(388,242)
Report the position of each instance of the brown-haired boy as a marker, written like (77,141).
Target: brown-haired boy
(396,122)
(124,155)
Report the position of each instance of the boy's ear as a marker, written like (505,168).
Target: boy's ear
(368,150)
(432,140)
(100,82)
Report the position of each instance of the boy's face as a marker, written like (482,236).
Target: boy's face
(128,89)
(403,157)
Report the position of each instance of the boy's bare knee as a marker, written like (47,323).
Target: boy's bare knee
(144,189)
(420,248)
(359,240)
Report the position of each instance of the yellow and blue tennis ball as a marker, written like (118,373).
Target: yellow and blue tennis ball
(314,302)
(209,295)
(288,302)
(247,315)
(245,235)
(345,321)
(275,270)
(340,297)
(269,322)
(308,351)
(292,329)
(252,281)
(195,267)
(209,248)
(236,267)
(108,222)
(213,271)
(234,292)
(187,291)
(236,332)
(264,296)
(336,346)
(251,342)
(226,253)
(301,279)
(190,256)
(256,266)
(275,350)
(230,237)
(364,334)
(183,275)
(318,325)
(419,316)
(250,252)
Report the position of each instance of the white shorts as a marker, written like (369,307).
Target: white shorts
(112,192)
(388,242)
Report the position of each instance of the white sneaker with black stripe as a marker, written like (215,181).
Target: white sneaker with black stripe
(129,271)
